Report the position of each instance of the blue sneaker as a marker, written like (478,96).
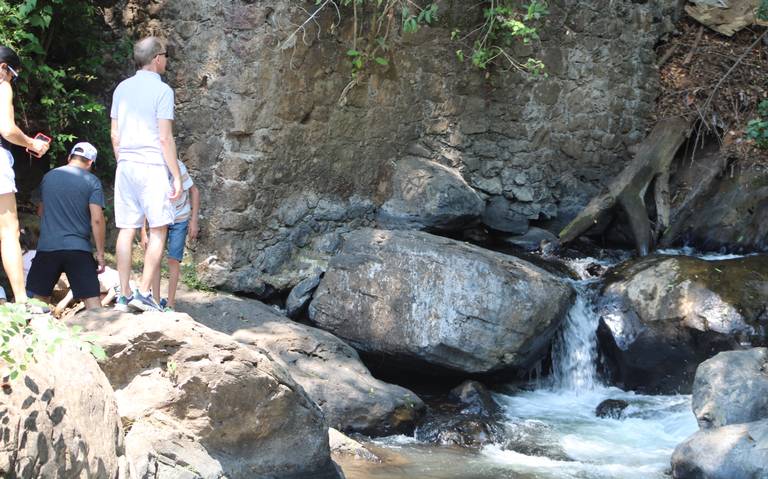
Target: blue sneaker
(122,303)
(143,303)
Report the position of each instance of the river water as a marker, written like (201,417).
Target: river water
(553,431)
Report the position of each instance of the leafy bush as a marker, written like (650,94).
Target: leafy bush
(757,129)
(62,52)
(20,342)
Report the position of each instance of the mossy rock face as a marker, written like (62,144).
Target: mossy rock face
(663,315)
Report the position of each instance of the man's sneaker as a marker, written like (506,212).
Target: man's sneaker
(35,306)
(122,303)
(164,306)
(143,303)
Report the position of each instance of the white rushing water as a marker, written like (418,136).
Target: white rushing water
(553,432)
(559,422)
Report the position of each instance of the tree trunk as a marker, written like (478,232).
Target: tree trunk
(651,163)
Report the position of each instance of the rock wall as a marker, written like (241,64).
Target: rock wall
(285,168)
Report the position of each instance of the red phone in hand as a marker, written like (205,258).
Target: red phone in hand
(39,136)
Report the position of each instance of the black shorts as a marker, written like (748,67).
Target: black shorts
(80,267)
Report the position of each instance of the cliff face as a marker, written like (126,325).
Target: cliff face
(285,168)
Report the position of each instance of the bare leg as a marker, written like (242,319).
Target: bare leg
(174,271)
(156,284)
(152,257)
(123,250)
(92,303)
(9,246)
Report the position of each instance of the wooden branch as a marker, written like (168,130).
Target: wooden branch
(652,160)
(696,42)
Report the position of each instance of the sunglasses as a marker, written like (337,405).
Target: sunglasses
(165,54)
(13,72)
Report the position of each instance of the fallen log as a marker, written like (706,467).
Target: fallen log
(651,164)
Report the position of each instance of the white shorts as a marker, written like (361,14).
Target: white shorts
(142,190)
(7,175)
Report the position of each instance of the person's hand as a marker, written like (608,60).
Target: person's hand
(176,193)
(39,147)
(100,261)
(193,230)
(144,241)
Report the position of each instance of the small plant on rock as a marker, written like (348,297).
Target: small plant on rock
(21,341)
(757,129)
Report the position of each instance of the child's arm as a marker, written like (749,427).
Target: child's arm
(111,293)
(59,308)
(194,199)
(144,236)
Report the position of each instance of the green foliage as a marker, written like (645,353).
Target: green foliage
(20,343)
(506,22)
(62,54)
(762,10)
(757,129)
(189,278)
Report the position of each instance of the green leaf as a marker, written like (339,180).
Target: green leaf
(381,61)
(353,53)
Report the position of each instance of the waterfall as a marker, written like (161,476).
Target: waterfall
(574,352)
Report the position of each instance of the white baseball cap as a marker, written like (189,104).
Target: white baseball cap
(84,149)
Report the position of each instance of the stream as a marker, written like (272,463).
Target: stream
(552,429)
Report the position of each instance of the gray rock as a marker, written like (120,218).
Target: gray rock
(424,299)
(500,216)
(731,388)
(300,296)
(661,316)
(204,406)
(328,369)
(428,195)
(56,424)
(728,452)
(475,399)
(611,408)
(345,445)
(533,239)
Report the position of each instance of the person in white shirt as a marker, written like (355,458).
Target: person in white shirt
(142,137)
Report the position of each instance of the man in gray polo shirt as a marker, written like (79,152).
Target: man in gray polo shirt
(142,137)
(72,211)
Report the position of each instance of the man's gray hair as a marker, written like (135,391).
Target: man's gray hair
(146,50)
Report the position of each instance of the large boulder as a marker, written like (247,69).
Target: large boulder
(201,405)
(56,424)
(731,388)
(663,315)
(428,195)
(729,452)
(328,369)
(421,299)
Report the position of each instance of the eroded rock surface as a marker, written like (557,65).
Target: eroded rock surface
(58,425)
(422,299)
(201,405)
(661,316)
(284,166)
(328,369)
(739,450)
(731,388)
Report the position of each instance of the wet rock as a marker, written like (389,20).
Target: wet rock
(57,424)
(663,315)
(426,300)
(203,406)
(611,408)
(500,216)
(300,296)
(728,452)
(345,445)
(460,430)
(328,369)
(533,438)
(474,399)
(534,239)
(731,388)
(428,195)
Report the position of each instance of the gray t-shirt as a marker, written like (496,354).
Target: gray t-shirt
(67,193)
